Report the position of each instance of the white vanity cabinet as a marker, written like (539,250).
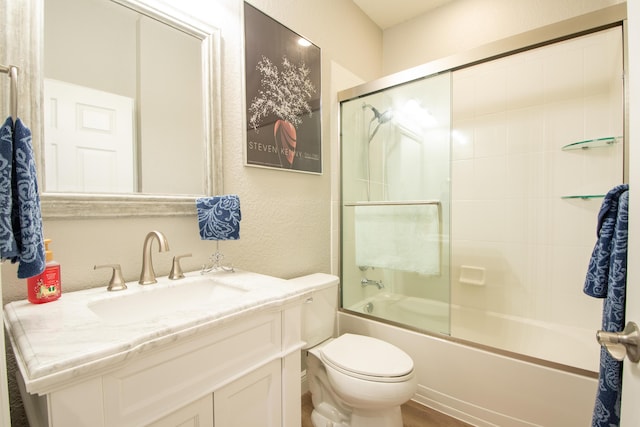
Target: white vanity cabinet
(244,372)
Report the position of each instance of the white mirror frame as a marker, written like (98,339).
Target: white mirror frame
(24,33)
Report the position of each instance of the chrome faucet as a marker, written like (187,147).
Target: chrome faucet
(147,275)
(364,282)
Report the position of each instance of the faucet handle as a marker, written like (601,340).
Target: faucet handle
(117,282)
(176,271)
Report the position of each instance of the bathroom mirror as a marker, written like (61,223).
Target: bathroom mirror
(147,71)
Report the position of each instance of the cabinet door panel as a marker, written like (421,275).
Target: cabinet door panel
(251,401)
(196,414)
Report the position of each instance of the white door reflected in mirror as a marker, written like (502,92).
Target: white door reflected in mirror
(88,139)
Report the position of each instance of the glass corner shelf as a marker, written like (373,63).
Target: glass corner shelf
(593,143)
(585,196)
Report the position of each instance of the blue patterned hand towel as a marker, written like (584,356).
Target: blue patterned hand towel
(26,214)
(8,245)
(219,217)
(607,278)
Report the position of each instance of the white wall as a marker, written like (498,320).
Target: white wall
(73,59)
(461,25)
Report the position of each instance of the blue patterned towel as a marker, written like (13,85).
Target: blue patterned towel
(26,216)
(219,217)
(8,245)
(607,278)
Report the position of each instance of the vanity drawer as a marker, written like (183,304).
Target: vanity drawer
(157,384)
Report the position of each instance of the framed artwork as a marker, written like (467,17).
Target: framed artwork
(283,102)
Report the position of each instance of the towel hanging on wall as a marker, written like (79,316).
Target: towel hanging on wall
(219,217)
(23,242)
(607,279)
(8,245)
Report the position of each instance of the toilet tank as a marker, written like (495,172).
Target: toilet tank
(319,311)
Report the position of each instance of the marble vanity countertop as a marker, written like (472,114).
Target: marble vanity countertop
(66,339)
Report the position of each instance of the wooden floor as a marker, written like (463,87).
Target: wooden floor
(413,415)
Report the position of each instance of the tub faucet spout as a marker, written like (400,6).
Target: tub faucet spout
(364,282)
(147,275)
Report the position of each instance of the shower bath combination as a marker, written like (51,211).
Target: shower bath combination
(472,167)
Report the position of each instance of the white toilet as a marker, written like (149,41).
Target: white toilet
(355,380)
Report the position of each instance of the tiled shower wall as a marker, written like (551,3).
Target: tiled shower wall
(528,247)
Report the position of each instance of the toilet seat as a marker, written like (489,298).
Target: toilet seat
(367,358)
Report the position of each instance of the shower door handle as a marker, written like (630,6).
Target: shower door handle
(621,344)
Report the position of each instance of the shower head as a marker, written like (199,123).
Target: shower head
(377,115)
(385,117)
(382,118)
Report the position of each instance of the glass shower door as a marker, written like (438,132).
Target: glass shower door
(395,156)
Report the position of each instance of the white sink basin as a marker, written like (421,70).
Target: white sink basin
(157,301)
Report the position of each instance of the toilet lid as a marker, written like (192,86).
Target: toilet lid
(367,356)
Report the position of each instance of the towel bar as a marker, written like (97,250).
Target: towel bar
(395,203)
(12,71)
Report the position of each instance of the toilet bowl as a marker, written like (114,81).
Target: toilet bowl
(355,380)
(370,379)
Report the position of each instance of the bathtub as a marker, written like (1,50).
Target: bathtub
(415,312)
(565,345)
(492,384)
